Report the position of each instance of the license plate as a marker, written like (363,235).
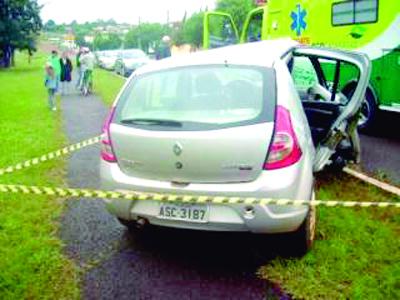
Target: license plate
(184,212)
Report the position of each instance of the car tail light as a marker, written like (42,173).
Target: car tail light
(285,150)
(107,152)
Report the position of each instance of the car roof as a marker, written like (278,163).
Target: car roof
(263,53)
(135,50)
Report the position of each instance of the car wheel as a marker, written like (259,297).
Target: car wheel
(302,240)
(131,225)
(344,153)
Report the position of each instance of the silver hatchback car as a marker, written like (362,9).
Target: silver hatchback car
(251,120)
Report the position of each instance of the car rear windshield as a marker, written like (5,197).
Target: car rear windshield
(199,98)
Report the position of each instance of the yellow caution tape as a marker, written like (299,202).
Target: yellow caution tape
(50,156)
(198,199)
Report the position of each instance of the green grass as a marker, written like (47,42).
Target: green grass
(357,252)
(107,85)
(32,264)
(356,255)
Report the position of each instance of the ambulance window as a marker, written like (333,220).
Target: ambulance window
(343,13)
(366,11)
(255,27)
(354,12)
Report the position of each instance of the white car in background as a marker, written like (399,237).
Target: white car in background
(107,59)
(129,60)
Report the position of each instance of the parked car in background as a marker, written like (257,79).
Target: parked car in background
(129,60)
(107,59)
(98,55)
(240,121)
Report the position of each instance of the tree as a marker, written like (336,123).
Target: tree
(177,32)
(20,25)
(80,40)
(146,36)
(238,9)
(50,26)
(193,29)
(109,41)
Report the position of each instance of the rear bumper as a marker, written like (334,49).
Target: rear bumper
(294,182)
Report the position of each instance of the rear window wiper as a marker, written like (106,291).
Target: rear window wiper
(151,122)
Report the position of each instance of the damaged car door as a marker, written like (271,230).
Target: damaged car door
(319,75)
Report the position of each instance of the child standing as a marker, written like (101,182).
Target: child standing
(51,85)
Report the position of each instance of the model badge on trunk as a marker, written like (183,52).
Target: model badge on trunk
(131,163)
(177,149)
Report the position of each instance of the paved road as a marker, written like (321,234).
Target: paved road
(158,264)
(381,148)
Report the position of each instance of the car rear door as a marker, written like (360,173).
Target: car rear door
(345,124)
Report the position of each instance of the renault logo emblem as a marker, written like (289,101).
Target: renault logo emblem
(178,149)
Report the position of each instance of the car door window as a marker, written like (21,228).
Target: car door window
(254,28)
(320,78)
(303,74)
(221,30)
(346,74)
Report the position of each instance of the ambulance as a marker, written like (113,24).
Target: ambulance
(368,26)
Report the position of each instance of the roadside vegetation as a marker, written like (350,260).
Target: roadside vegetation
(356,254)
(146,36)
(32,264)
(107,85)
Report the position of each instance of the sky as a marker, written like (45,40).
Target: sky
(127,11)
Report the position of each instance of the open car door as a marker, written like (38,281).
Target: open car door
(319,76)
(219,30)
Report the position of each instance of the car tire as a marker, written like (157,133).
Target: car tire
(299,242)
(343,154)
(131,225)
(368,110)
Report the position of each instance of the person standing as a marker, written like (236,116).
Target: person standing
(54,60)
(50,82)
(164,49)
(87,61)
(66,72)
(79,68)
